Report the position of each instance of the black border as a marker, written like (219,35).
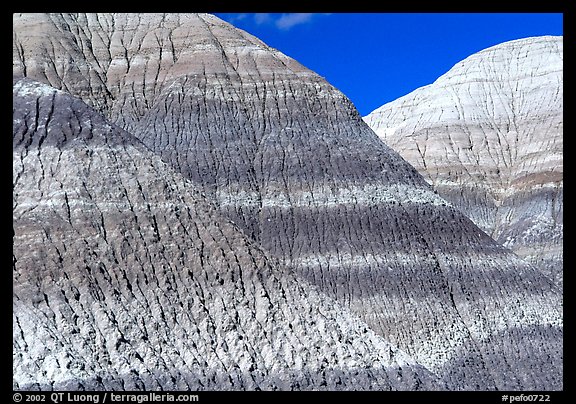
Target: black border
(375,6)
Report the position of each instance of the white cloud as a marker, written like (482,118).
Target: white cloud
(287,21)
(262,18)
(281,21)
(237,17)
(284,21)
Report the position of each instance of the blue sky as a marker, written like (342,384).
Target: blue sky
(375,58)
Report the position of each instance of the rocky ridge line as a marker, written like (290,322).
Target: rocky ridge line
(488,135)
(127,278)
(288,159)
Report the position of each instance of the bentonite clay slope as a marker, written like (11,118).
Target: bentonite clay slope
(125,278)
(488,136)
(287,158)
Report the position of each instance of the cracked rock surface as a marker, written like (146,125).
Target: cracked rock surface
(488,135)
(127,278)
(287,158)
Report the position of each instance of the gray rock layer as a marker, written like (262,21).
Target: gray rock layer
(287,157)
(488,135)
(127,278)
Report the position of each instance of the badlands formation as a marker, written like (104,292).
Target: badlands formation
(195,210)
(488,135)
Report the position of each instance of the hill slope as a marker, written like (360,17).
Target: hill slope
(488,135)
(287,157)
(127,278)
